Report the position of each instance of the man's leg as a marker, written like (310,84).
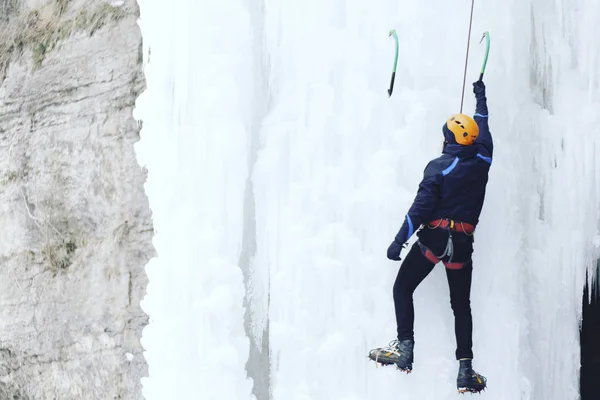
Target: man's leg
(414,269)
(459,281)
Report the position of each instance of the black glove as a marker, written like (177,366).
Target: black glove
(393,252)
(479,88)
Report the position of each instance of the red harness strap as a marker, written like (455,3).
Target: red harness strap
(431,257)
(454,265)
(456,226)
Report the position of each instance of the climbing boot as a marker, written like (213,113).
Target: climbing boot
(399,352)
(469,380)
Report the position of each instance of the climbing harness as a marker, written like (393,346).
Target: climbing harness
(450,225)
(448,252)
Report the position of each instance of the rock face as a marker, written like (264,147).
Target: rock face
(76,226)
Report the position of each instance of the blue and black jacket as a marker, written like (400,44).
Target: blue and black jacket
(453,184)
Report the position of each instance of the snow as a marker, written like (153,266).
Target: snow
(279,169)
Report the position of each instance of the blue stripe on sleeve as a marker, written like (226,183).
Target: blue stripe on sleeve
(484,158)
(480,115)
(450,168)
(410,226)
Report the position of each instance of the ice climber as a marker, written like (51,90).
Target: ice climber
(445,212)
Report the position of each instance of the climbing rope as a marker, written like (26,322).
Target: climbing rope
(486,36)
(467,57)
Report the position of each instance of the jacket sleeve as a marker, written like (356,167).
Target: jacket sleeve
(424,205)
(481,117)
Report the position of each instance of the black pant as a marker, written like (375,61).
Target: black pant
(416,267)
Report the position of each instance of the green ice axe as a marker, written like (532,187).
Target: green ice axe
(486,36)
(391,89)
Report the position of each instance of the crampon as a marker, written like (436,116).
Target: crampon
(470,390)
(399,353)
(469,381)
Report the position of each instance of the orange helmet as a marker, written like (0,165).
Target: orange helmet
(464,128)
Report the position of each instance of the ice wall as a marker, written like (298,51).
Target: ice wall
(194,141)
(337,167)
(558,177)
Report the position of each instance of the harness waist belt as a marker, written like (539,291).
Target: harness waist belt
(456,226)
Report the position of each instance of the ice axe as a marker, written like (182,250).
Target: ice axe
(391,89)
(486,36)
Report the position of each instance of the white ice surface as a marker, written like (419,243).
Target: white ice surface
(337,167)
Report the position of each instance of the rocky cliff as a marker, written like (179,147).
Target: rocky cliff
(75,223)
